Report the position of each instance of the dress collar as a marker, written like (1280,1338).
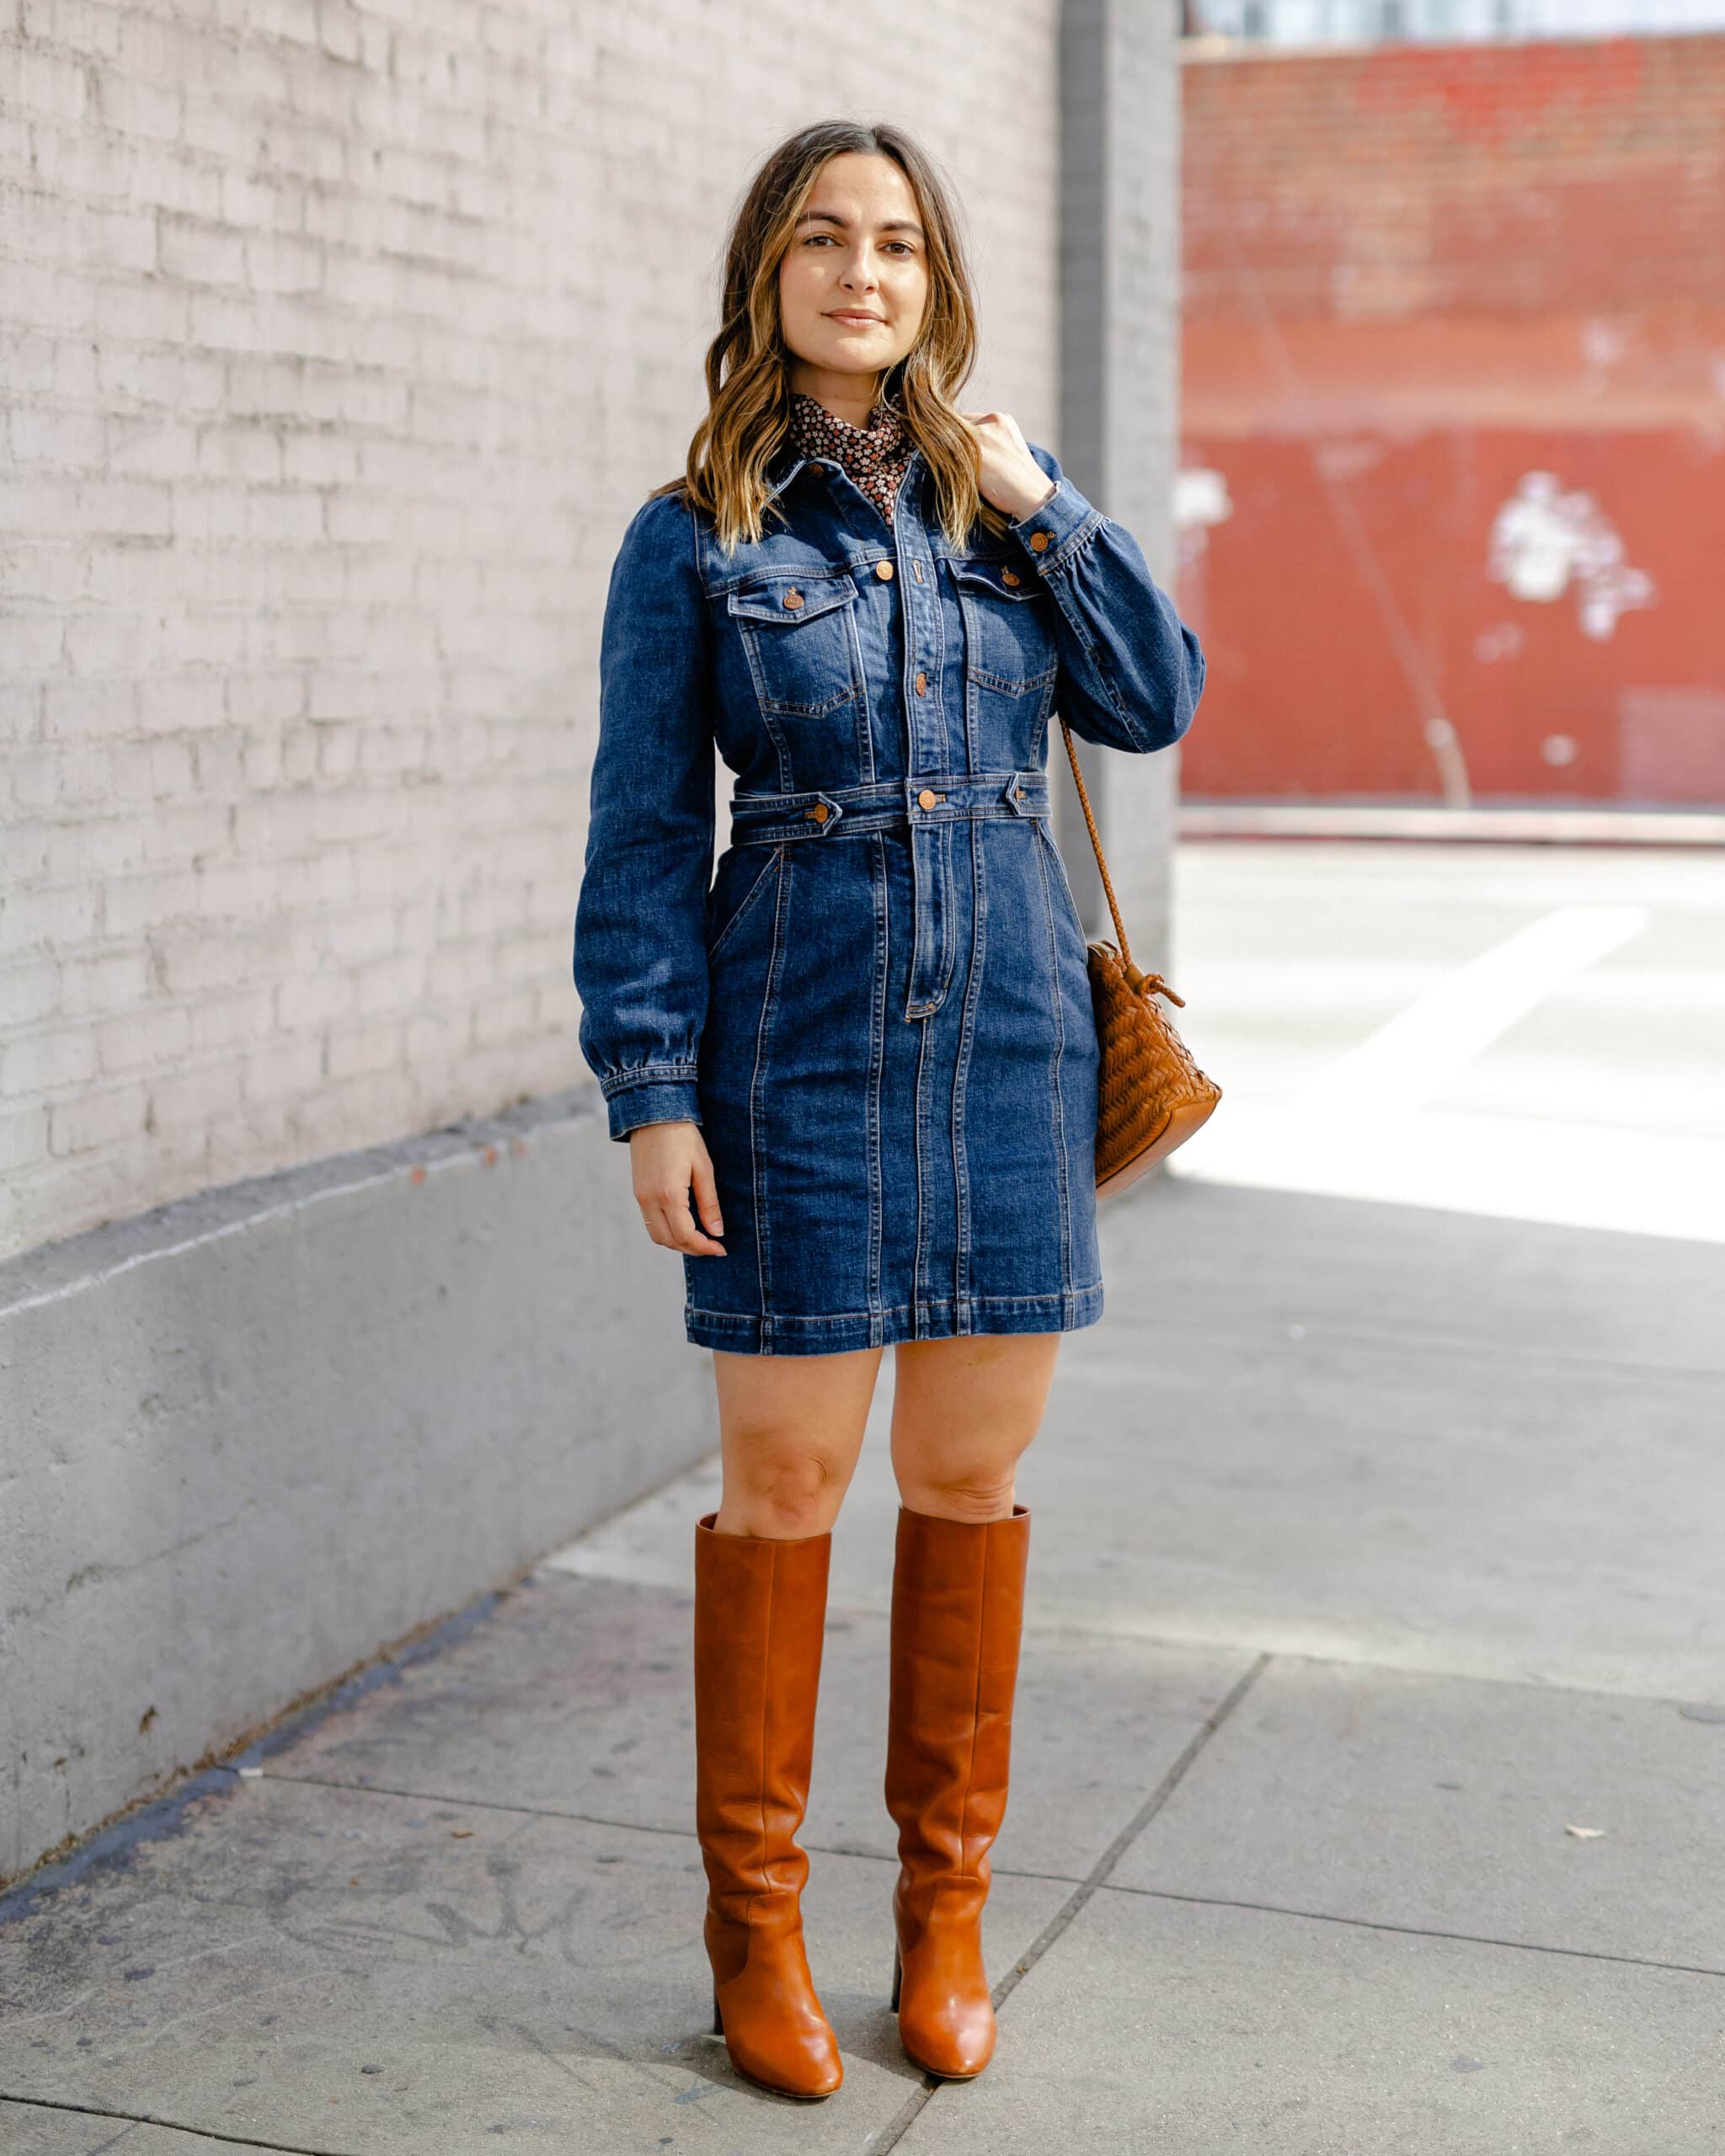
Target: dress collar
(877,457)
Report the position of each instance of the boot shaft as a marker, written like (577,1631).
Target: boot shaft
(759,1630)
(957,1622)
(760,1622)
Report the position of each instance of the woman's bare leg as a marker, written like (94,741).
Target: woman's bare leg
(963,1411)
(790,1429)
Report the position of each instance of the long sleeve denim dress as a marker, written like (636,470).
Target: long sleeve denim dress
(876,1003)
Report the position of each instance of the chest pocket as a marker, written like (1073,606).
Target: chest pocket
(1009,639)
(799,637)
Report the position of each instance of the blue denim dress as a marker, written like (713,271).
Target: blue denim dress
(876,1003)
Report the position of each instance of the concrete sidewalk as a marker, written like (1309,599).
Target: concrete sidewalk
(1375,1550)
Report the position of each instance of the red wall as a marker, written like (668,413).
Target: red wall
(1416,278)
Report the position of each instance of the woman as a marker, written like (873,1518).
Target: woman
(857,1074)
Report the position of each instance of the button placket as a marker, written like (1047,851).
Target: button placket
(919,621)
(930,836)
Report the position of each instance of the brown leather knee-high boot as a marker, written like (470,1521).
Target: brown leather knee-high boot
(760,1622)
(956,1615)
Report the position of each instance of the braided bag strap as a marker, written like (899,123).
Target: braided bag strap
(1132,972)
(1151,1094)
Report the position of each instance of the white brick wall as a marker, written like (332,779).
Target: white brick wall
(338,342)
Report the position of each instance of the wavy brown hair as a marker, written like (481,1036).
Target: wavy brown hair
(748,371)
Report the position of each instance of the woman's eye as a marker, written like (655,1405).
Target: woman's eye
(822,239)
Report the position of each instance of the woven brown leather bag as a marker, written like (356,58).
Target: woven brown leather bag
(1151,1094)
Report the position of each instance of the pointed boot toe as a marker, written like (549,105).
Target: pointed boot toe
(940,1993)
(773,2022)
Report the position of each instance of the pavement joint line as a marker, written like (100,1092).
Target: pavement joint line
(1471,1344)
(918,2102)
(1421,1930)
(494,1804)
(626,1826)
(577,1818)
(1060,1628)
(173,2125)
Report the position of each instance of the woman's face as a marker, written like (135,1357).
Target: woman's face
(854,281)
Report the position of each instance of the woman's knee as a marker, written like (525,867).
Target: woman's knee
(973,1493)
(780,1489)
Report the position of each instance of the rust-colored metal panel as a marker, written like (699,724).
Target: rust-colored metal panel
(1453,497)
(1555,595)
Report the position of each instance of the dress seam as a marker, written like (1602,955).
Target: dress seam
(1060,1049)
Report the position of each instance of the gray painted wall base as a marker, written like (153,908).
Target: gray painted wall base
(251,1439)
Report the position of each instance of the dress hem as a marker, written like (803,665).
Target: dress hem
(744,1332)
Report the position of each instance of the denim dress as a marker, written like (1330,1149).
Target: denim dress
(876,1002)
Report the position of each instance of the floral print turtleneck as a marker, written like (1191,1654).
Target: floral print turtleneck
(875,456)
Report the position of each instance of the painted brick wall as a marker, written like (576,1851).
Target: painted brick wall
(1454,363)
(339,339)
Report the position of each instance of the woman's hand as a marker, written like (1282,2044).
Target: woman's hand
(1010,479)
(667,1159)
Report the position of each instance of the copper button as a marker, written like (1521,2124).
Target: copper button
(884,570)
(923,684)
(1038,542)
(1019,791)
(794,598)
(927,797)
(1011,576)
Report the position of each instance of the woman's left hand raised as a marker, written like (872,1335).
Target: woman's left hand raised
(1010,477)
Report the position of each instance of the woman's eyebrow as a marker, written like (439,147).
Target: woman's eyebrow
(886,224)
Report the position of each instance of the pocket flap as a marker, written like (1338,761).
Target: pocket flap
(784,600)
(1003,579)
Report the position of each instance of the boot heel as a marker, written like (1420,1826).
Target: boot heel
(717,2028)
(897,1978)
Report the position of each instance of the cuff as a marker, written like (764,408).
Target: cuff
(653,1100)
(1064,521)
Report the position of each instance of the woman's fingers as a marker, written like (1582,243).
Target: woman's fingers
(666,1214)
(670,1223)
(669,1159)
(687,1236)
(671,1228)
(707,1196)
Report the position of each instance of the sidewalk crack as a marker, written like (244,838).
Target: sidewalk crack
(130,2119)
(1424,1931)
(1095,1878)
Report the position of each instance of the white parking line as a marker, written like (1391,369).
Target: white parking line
(1414,1056)
(1362,1127)
(1504,1167)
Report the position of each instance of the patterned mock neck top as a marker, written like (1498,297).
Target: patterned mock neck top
(875,456)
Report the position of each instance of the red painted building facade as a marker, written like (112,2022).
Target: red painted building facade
(1452,503)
